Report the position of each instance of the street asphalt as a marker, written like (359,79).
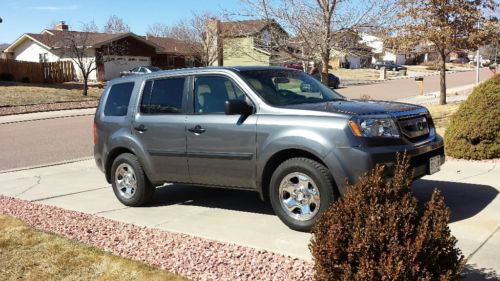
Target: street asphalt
(53,139)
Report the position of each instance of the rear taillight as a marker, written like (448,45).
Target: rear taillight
(95,133)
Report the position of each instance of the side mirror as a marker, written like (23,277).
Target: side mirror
(237,107)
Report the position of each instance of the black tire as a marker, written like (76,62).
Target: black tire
(321,177)
(144,190)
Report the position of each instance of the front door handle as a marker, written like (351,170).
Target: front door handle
(141,128)
(197,129)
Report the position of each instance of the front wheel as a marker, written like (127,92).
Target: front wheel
(301,189)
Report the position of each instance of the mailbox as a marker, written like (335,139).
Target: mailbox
(420,81)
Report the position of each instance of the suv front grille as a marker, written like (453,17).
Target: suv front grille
(414,129)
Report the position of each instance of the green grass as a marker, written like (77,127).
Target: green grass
(27,94)
(30,254)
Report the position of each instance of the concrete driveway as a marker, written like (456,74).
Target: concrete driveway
(239,217)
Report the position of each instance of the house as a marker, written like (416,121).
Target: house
(382,51)
(247,42)
(109,53)
(348,51)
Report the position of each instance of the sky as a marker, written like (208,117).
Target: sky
(33,16)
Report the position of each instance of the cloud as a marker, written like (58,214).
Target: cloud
(56,8)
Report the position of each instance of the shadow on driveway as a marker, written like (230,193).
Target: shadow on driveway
(465,200)
(236,200)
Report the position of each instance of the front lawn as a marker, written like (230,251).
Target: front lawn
(30,254)
(28,94)
(441,115)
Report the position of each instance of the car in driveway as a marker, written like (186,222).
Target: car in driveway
(253,128)
(390,65)
(140,70)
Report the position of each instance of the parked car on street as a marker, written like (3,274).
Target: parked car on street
(140,70)
(461,60)
(253,128)
(294,65)
(390,65)
(333,81)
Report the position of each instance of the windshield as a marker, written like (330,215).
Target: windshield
(154,68)
(280,87)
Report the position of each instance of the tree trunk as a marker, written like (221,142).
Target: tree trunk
(442,80)
(325,59)
(85,85)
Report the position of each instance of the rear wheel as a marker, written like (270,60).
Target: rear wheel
(130,184)
(300,190)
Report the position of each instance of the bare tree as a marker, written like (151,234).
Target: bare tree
(444,26)
(91,27)
(116,25)
(159,30)
(196,32)
(313,25)
(77,47)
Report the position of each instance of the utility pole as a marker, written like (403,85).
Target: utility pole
(477,59)
(477,65)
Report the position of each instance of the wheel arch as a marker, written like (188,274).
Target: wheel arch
(115,152)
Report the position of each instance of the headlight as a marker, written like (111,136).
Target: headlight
(374,127)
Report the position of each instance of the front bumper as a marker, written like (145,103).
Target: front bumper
(349,163)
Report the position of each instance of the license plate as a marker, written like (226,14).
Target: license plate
(434,164)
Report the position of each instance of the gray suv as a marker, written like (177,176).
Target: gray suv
(277,131)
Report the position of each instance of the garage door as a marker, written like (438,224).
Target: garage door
(117,64)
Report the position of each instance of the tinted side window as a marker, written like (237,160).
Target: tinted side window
(118,99)
(211,92)
(165,96)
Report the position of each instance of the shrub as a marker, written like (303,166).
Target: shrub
(474,130)
(376,231)
(5,76)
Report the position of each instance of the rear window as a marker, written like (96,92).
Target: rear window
(118,99)
(163,96)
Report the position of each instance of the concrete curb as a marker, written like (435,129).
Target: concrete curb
(26,117)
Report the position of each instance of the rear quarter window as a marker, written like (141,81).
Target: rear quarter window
(118,99)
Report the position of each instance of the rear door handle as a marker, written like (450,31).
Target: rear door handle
(141,128)
(197,129)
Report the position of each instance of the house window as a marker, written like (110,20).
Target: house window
(170,61)
(43,57)
(189,62)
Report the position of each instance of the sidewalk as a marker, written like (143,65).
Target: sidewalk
(45,115)
(239,217)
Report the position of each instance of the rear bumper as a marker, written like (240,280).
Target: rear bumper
(356,161)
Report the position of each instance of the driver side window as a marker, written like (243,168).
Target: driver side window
(211,92)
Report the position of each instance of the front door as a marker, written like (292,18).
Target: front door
(161,127)
(221,148)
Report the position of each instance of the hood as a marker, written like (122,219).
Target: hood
(359,107)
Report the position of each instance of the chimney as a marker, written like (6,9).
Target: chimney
(61,26)
(214,40)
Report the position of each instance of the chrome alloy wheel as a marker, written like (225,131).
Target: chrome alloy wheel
(126,181)
(299,196)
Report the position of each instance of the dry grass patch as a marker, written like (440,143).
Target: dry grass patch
(441,115)
(30,254)
(26,94)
